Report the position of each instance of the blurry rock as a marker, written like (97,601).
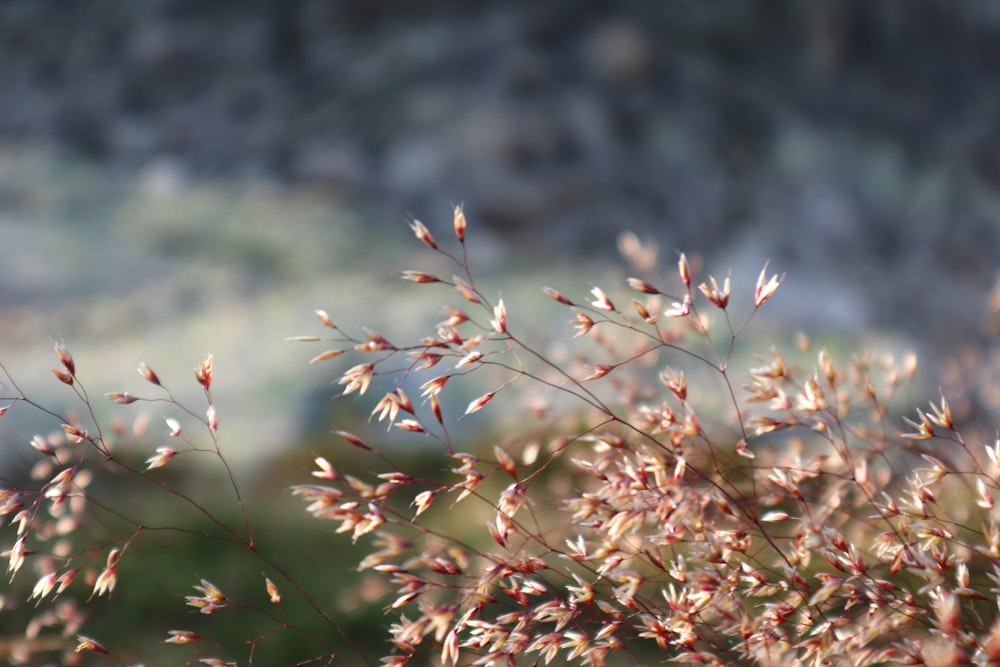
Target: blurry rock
(618,51)
(337,165)
(415,164)
(162,177)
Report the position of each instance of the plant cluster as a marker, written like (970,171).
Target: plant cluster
(644,492)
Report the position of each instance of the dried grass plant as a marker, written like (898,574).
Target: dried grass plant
(643,496)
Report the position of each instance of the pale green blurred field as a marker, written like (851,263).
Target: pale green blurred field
(121,275)
(121,269)
(124,267)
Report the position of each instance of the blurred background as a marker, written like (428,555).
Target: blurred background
(180,176)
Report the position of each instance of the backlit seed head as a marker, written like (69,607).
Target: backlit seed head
(42,445)
(419,277)
(353,439)
(643,311)
(88,644)
(505,461)
(557,295)
(684,269)
(63,376)
(601,300)
(499,321)
(181,637)
(326,356)
(459,223)
(642,286)
(66,359)
(583,323)
(162,457)
(272,591)
(423,500)
(174,426)
(465,290)
(147,373)
(324,318)
(715,294)
(764,290)
(203,373)
(479,403)
(411,425)
(325,469)
(679,309)
(421,232)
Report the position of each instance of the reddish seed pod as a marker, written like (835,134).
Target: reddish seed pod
(505,461)
(479,403)
(325,319)
(42,445)
(419,277)
(557,295)
(354,440)
(421,232)
(642,286)
(147,373)
(684,269)
(203,373)
(63,376)
(66,359)
(459,223)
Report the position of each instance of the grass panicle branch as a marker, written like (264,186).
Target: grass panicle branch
(649,487)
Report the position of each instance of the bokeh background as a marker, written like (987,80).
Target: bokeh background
(179,176)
